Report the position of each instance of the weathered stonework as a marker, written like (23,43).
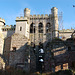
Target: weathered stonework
(19,57)
(2,63)
(1,43)
(16,48)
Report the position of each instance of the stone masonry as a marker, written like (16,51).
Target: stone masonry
(15,42)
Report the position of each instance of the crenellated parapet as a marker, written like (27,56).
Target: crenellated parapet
(21,18)
(40,16)
(7,27)
(66,30)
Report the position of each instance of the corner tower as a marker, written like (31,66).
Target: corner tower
(54,12)
(26,12)
(2,22)
(22,23)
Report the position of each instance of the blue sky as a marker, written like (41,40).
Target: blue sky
(10,9)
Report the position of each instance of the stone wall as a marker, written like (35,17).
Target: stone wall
(56,55)
(8,33)
(65,34)
(6,52)
(2,63)
(1,43)
(20,56)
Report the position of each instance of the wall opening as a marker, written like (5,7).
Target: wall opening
(40,26)
(32,28)
(20,28)
(14,48)
(48,27)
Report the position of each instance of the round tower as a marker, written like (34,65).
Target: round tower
(54,12)
(2,22)
(26,12)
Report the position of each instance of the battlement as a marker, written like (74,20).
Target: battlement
(21,18)
(2,20)
(53,8)
(40,16)
(67,30)
(27,9)
(7,27)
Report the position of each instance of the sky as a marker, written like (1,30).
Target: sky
(10,9)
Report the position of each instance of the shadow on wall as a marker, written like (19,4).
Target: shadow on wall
(17,52)
(20,54)
(23,58)
(6,50)
(58,56)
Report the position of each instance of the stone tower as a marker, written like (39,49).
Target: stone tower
(22,24)
(26,12)
(2,23)
(54,12)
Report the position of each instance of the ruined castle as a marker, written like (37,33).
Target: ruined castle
(27,43)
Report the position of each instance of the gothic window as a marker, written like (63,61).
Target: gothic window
(40,28)
(32,28)
(48,27)
(20,28)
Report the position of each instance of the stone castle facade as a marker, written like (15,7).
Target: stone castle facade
(19,45)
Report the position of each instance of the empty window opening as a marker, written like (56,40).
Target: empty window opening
(69,48)
(40,28)
(32,28)
(20,28)
(48,28)
(14,48)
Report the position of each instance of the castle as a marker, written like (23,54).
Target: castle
(24,45)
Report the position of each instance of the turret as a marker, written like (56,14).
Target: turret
(54,12)
(26,12)
(2,22)
(22,26)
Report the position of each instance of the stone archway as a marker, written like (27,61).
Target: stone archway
(32,28)
(48,27)
(40,28)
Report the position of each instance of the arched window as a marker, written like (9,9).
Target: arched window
(40,26)
(48,27)
(32,28)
